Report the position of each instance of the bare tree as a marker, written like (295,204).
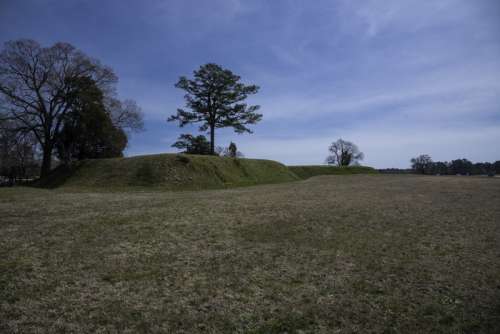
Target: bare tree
(17,153)
(344,153)
(36,84)
(126,114)
(421,164)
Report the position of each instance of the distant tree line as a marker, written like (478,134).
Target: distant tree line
(424,164)
(58,104)
(395,171)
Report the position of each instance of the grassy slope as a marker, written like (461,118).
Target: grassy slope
(350,254)
(305,172)
(170,172)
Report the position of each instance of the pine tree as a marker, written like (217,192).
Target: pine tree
(215,98)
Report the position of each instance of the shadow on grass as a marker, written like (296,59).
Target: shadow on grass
(57,177)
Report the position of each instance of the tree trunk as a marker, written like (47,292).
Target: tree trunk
(47,161)
(212,139)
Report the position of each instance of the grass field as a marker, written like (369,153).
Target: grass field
(305,172)
(167,172)
(331,254)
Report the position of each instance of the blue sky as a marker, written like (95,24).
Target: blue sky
(398,78)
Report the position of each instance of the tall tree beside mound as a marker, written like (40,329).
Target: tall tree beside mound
(88,131)
(215,98)
(344,153)
(35,90)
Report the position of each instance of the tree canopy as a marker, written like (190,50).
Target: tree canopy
(37,91)
(421,164)
(193,144)
(88,131)
(215,98)
(344,153)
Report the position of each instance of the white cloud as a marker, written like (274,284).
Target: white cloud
(452,93)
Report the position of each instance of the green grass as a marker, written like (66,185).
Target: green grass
(305,172)
(168,172)
(331,254)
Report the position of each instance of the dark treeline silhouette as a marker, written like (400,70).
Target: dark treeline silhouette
(395,170)
(18,156)
(424,164)
(58,104)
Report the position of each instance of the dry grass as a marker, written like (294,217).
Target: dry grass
(332,254)
(166,172)
(305,172)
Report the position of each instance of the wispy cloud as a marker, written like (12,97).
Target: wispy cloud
(406,16)
(398,77)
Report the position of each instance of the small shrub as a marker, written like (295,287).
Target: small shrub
(182,158)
